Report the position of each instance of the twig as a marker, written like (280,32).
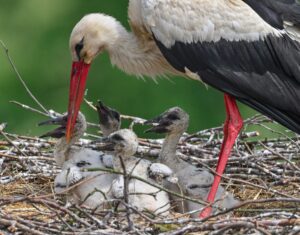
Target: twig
(11,142)
(125,192)
(9,221)
(20,78)
(30,108)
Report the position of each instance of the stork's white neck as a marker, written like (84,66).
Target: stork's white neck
(136,56)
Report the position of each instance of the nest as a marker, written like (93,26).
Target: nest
(263,175)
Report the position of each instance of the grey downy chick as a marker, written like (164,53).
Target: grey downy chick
(192,181)
(141,195)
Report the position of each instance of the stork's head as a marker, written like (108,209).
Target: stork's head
(123,142)
(174,120)
(92,35)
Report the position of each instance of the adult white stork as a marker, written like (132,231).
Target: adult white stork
(247,49)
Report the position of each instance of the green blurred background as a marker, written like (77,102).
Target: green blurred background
(36,33)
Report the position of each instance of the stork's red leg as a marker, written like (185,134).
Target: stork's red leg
(232,126)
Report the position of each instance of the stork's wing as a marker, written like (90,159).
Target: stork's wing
(232,49)
(281,14)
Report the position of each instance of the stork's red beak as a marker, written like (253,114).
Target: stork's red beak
(77,87)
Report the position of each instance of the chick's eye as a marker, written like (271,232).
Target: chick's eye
(116,116)
(82,163)
(173,116)
(117,138)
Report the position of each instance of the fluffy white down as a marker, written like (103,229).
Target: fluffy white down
(161,171)
(139,191)
(101,181)
(199,20)
(158,168)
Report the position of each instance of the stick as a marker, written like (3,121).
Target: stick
(20,78)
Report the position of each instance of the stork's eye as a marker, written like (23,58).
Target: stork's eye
(117,137)
(173,116)
(78,48)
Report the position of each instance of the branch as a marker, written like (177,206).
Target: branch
(20,78)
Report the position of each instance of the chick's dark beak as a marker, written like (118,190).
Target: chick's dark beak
(159,125)
(104,144)
(58,132)
(157,129)
(105,113)
(61,120)
(153,121)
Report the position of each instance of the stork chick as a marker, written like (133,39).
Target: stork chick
(140,194)
(94,190)
(192,181)
(64,149)
(96,186)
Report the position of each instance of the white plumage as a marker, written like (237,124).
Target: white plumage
(95,191)
(141,195)
(200,20)
(161,171)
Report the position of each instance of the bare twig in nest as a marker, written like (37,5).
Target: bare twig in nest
(126,193)
(10,141)
(14,224)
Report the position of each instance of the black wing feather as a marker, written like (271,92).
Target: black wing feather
(263,74)
(275,12)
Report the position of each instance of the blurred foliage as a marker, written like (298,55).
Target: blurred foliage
(37,35)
